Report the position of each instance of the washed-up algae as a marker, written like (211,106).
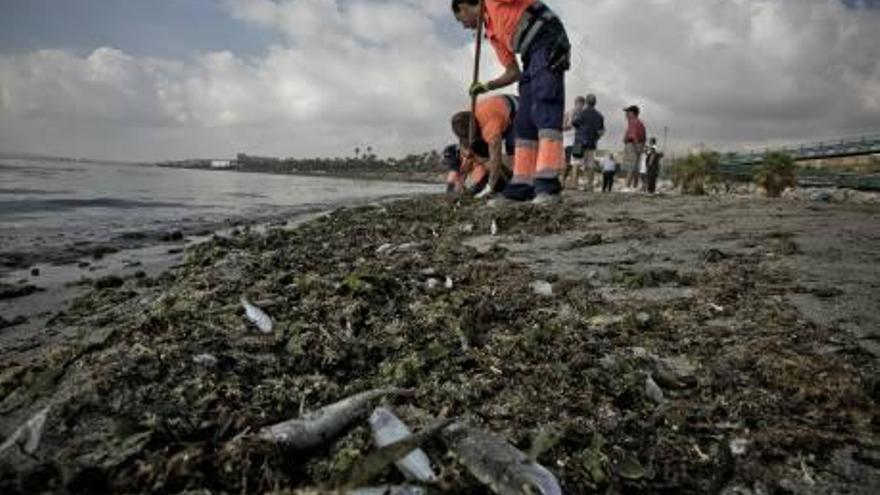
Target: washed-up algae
(138,408)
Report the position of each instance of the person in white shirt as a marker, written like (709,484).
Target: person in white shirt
(609,169)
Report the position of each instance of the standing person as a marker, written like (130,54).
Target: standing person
(494,141)
(653,164)
(568,136)
(609,169)
(589,127)
(634,145)
(528,28)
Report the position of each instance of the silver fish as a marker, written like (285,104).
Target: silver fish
(499,465)
(317,427)
(389,490)
(28,435)
(387,429)
(652,390)
(257,316)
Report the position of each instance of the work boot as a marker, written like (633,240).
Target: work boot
(544,199)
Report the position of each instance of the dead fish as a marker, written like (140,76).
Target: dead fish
(317,427)
(652,390)
(387,429)
(206,360)
(374,464)
(494,228)
(389,490)
(499,465)
(257,316)
(28,435)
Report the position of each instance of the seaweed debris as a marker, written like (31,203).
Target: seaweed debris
(166,386)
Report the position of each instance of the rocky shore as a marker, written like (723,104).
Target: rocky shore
(633,344)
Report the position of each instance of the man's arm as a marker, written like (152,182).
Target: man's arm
(601,131)
(495,161)
(511,75)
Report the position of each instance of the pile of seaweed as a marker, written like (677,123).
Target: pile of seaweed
(168,375)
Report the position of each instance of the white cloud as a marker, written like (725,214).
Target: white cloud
(379,72)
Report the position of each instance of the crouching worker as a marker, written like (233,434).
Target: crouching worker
(468,171)
(528,28)
(488,158)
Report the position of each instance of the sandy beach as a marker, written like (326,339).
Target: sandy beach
(756,320)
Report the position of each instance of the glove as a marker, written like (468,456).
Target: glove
(478,88)
(560,55)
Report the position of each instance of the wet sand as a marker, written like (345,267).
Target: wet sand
(756,318)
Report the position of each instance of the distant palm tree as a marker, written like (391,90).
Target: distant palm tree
(357,152)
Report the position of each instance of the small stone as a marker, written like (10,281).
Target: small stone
(206,360)
(738,446)
(542,288)
(35,272)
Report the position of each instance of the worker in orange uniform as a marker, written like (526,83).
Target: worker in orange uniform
(528,28)
(493,148)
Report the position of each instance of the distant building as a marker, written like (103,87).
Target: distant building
(221,163)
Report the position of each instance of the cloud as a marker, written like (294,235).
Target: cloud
(389,73)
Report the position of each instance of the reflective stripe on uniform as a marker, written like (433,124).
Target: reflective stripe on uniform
(530,24)
(524,160)
(551,154)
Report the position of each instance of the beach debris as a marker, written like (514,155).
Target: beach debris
(494,228)
(206,360)
(387,429)
(499,465)
(432,283)
(28,435)
(257,316)
(449,284)
(716,308)
(714,256)
(375,463)
(738,446)
(389,490)
(674,372)
(652,390)
(313,429)
(542,288)
(384,248)
(630,468)
(545,440)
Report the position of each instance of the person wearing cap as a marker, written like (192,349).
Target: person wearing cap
(634,145)
(528,28)
(492,152)
(589,127)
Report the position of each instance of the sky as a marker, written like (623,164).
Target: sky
(172,79)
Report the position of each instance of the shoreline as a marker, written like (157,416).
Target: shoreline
(734,306)
(424,177)
(39,286)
